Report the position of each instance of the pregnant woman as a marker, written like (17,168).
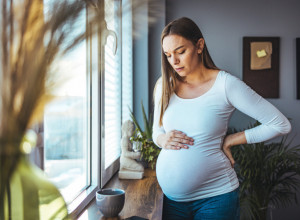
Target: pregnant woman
(194,101)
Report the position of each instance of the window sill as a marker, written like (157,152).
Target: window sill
(82,201)
(144,198)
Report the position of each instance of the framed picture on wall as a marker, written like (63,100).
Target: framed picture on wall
(298,66)
(261,65)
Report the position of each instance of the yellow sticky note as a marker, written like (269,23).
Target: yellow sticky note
(261,53)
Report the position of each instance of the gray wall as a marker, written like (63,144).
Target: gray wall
(154,49)
(140,59)
(223,24)
(148,21)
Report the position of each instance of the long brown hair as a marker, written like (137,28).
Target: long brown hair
(186,28)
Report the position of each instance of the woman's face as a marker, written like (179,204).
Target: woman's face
(182,54)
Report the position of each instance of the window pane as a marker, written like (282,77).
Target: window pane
(66,124)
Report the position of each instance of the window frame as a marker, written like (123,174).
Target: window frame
(97,175)
(77,206)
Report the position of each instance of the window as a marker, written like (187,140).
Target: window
(82,127)
(116,79)
(112,84)
(111,98)
(66,122)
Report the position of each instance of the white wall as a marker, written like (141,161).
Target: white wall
(224,24)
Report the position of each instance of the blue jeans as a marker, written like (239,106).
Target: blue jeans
(221,207)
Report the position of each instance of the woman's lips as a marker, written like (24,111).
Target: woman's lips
(179,69)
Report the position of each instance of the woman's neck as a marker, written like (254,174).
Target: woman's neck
(199,76)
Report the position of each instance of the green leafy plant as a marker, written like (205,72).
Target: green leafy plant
(149,150)
(268,174)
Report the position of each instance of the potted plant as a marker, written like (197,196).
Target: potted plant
(149,150)
(269,176)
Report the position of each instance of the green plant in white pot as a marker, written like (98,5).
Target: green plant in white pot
(149,150)
(269,176)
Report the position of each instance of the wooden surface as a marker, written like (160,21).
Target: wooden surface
(143,198)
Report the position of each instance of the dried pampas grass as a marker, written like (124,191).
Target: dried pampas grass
(30,41)
(32,37)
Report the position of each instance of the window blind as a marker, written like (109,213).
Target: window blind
(112,87)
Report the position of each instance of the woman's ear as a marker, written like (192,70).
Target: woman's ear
(200,45)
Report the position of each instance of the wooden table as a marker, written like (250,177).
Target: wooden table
(143,198)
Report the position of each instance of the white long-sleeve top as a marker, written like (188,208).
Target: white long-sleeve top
(203,170)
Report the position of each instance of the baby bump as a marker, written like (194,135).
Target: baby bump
(181,172)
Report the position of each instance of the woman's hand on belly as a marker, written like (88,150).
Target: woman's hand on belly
(174,140)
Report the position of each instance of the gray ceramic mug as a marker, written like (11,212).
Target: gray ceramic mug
(110,201)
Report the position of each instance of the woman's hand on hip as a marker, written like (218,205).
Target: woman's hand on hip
(174,140)
(226,149)
(232,140)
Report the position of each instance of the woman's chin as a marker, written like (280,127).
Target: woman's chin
(181,74)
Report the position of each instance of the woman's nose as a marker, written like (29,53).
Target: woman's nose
(174,60)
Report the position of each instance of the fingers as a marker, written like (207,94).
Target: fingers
(183,141)
(229,155)
(176,140)
(181,137)
(176,146)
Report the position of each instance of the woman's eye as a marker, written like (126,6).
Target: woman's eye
(182,52)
